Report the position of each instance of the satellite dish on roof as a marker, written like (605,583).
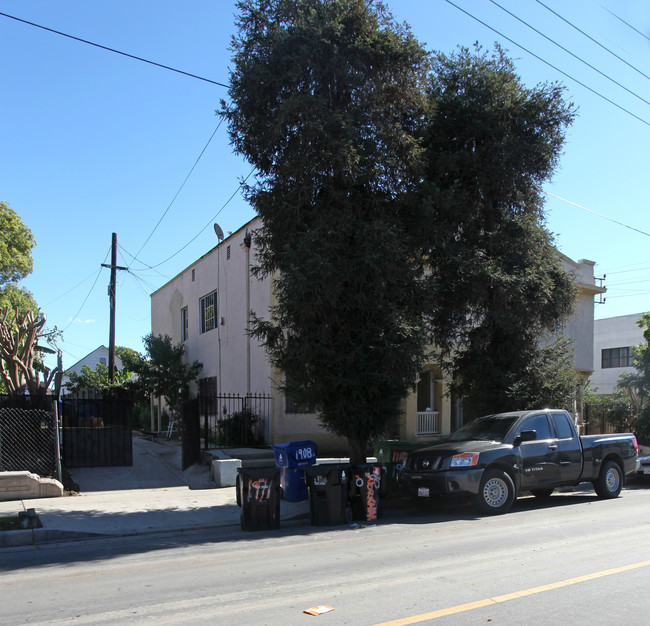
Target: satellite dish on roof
(218,232)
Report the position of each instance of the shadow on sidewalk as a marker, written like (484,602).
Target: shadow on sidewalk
(156,464)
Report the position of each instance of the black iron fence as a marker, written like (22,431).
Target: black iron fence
(600,419)
(97,431)
(28,435)
(234,420)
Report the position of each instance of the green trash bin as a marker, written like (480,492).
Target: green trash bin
(392,453)
(258,494)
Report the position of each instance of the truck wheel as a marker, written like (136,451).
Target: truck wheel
(541,493)
(610,480)
(496,494)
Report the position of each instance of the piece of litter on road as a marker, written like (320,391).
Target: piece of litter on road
(318,610)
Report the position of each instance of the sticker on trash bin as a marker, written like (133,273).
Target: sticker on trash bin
(320,481)
(318,610)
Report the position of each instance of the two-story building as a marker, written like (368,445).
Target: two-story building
(207,307)
(614,338)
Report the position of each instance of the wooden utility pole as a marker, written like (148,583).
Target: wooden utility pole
(111,297)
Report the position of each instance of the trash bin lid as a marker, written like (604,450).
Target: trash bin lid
(295,453)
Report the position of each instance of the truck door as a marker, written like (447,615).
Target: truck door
(569,448)
(540,458)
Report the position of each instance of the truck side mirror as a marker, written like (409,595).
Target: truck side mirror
(525,435)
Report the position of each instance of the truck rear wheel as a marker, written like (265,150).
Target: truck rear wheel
(610,480)
(496,493)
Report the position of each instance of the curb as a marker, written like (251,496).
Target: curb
(42,536)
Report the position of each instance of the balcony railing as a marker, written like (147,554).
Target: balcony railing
(428,423)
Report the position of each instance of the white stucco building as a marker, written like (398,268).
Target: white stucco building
(206,306)
(613,339)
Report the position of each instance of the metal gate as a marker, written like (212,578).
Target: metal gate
(97,431)
(234,420)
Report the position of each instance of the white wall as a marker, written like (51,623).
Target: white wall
(223,350)
(580,327)
(613,332)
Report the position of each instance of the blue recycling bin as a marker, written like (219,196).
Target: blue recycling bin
(291,458)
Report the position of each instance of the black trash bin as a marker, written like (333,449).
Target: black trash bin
(258,494)
(291,458)
(328,493)
(365,491)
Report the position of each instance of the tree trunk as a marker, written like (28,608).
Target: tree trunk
(357,450)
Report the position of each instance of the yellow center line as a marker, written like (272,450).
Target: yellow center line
(470,606)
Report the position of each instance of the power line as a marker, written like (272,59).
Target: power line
(179,189)
(636,30)
(584,208)
(208,224)
(130,56)
(74,317)
(557,69)
(592,39)
(575,56)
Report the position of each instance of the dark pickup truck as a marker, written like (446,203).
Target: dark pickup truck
(495,457)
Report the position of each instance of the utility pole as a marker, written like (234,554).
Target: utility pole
(111,297)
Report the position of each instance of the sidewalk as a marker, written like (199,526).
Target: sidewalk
(151,496)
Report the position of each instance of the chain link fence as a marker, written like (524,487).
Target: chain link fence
(28,435)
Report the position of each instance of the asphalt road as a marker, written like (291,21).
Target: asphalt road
(574,559)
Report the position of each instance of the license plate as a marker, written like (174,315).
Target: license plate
(423,492)
(646,470)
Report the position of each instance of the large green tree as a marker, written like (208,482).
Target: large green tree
(500,289)
(325,100)
(22,327)
(16,243)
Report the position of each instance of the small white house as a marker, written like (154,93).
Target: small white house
(92,360)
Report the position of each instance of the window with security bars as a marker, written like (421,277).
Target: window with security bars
(207,307)
(617,357)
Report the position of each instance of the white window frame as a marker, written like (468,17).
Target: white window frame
(208,312)
(185,324)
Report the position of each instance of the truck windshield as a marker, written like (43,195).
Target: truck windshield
(489,428)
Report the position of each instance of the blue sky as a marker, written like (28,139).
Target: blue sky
(92,142)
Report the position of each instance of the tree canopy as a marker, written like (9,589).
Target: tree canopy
(16,243)
(22,327)
(500,289)
(325,101)
(400,203)
(163,371)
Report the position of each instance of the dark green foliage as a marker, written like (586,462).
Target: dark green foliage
(16,243)
(636,386)
(239,429)
(326,97)
(499,285)
(164,372)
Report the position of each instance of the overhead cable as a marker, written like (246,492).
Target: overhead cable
(582,32)
(584,208)
(208,224)
(575,56)
(179,190)
(126,54)
(557,69)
